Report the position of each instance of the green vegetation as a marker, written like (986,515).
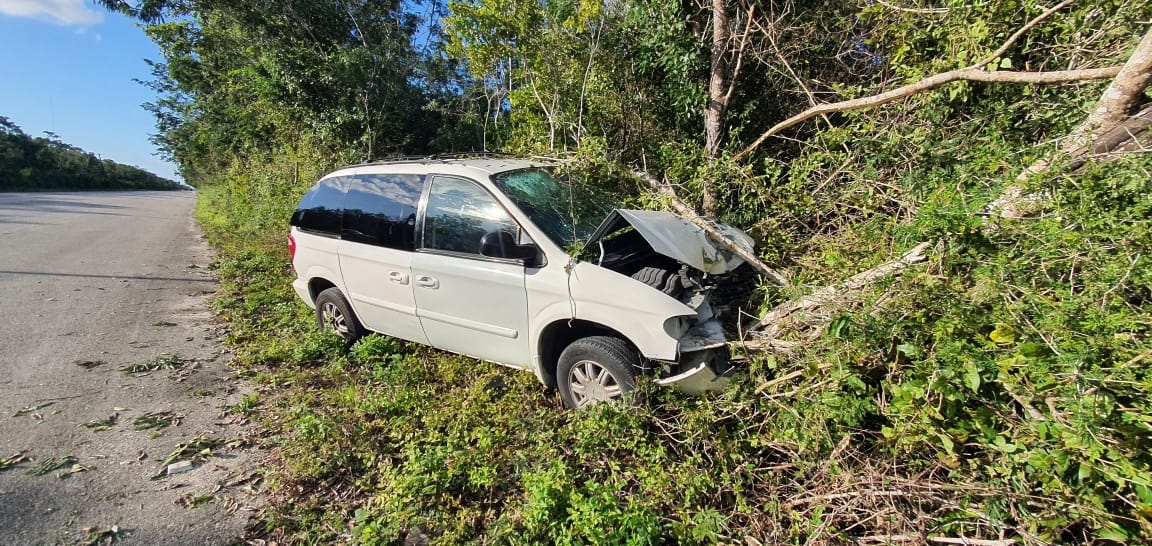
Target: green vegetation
(998,391)
(45,164)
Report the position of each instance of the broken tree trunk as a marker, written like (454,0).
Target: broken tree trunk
(806,317)
(1120,100)
(1113,123)
(710,228)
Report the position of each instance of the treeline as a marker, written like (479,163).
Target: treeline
(996,393)
(37,163)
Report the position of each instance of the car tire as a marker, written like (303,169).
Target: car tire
(595,369)
(333,314)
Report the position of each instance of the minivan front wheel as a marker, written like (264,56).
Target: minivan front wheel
(333,314)
(596,369)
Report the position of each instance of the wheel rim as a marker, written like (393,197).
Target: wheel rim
(590,382)
(333,319)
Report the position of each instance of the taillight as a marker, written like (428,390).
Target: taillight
(291,247)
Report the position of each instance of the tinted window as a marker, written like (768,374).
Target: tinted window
(460,213)
(381,209)
(319,210)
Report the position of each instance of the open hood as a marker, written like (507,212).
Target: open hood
(677,238)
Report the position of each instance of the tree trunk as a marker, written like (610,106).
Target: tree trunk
(717,96)
(1113,122)
(1124,96)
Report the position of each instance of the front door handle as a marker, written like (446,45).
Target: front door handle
(427,282)
(398,277)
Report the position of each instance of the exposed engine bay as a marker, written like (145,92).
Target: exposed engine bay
(625,250)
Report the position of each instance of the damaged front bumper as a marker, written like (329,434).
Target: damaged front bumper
(704,364)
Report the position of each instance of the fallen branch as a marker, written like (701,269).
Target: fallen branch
(971,541)
(799,312)
(710,228)
(975,72)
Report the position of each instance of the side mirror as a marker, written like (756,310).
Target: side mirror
(501,244)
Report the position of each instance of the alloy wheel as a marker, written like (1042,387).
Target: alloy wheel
(592,382)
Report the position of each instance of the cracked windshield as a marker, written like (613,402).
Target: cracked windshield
(567,210)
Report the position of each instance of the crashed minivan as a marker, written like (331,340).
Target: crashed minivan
(500,260)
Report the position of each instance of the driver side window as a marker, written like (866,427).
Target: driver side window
(460,214)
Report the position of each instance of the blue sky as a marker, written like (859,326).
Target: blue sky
(67,66)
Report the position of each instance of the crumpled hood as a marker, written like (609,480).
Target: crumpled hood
(678,238)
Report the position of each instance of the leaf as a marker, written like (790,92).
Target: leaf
(1006,63)
(31,408)
(97,535)
(1085,472)
(156,420)
(76,469)
(1113,533)
(14,460)
(170,362)
(53,463)
(1144,493)
(949,446)
(101,424)
(972,378)
(909,350)
(1003,334)
(1032,350)
(199,447)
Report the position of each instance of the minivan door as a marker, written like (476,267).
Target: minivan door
(468,302)
(378,239)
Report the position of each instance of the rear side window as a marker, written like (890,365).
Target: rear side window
(319,210)
(380,209)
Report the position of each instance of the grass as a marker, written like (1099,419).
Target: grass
(162,362)
(99,425)
(51,464)
(156,420)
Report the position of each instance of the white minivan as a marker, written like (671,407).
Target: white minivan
(499,260)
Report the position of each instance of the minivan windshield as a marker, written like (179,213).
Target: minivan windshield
(567,211)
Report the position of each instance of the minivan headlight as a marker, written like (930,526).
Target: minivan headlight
(676,327)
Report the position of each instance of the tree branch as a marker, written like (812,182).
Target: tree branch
(739,57)
(932,82)
(791,314)
(710,228)
(973,72)
(1023,30)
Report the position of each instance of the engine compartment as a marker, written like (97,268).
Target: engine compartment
(630,249)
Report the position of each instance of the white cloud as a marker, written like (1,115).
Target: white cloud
(62,12)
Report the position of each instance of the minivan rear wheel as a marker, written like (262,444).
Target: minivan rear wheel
(596,369)
(333,314)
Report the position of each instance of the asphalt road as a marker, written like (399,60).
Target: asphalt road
(92,283)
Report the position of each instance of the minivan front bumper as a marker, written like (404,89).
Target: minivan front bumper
(703,365)
(700,372)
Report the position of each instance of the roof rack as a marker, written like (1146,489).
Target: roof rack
(430,157)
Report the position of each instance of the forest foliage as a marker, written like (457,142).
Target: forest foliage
(997,392)
(46,163)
